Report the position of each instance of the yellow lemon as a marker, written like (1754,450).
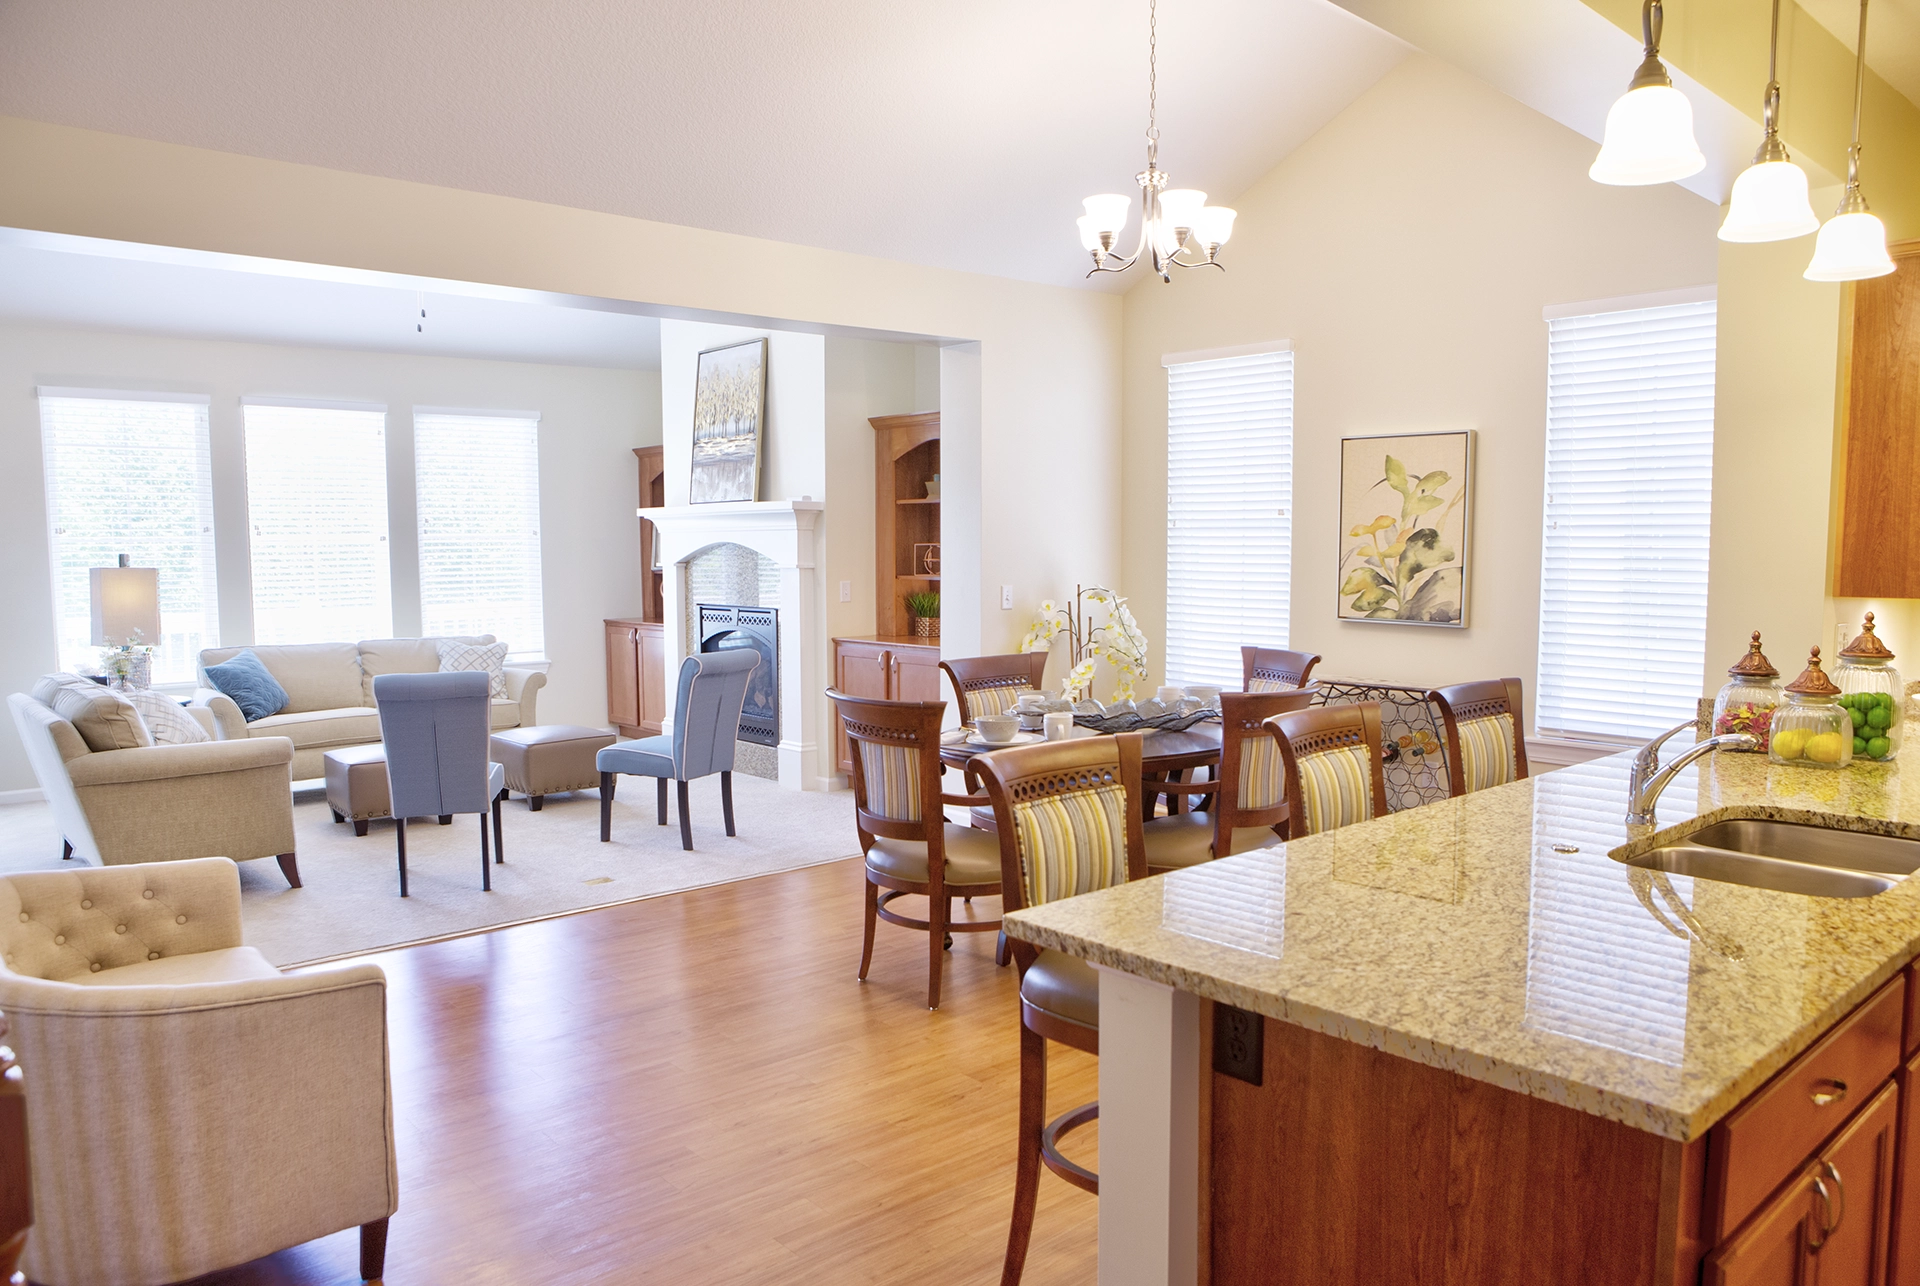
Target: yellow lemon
(1827,748)
(1790,743)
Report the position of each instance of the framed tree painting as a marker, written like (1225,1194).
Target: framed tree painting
(729,419)
(1406,512)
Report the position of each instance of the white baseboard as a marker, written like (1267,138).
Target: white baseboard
(33,796)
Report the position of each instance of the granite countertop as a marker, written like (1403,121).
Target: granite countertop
(1495,936)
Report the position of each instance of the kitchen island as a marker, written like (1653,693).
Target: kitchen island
(1488,1051)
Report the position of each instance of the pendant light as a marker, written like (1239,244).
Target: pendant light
(1649,135)
(1770,196)
(1853,244)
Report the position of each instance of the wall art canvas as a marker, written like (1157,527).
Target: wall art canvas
(729,420)
(1406,508)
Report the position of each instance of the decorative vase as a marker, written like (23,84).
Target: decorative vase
(926,627)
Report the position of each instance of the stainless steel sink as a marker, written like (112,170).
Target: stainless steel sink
(1789,858)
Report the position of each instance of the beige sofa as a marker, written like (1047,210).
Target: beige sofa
(148,803)
(191,1107)
(330,693)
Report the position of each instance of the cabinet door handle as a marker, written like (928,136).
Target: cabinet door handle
(1827,1092)
(1830,1221)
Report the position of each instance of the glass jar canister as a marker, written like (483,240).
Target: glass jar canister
(1810,730)
(1872,693)
(1747,703)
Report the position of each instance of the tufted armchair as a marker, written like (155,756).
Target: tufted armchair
(193,1108)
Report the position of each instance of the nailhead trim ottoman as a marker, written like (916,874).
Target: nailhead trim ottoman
(357,785)
(549,758)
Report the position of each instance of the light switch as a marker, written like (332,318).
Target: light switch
(1006,598)
(846,591)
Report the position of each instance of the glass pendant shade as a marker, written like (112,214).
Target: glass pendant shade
(1214,225)
(1769,204)
(1180,207)
(1649,139)
(1089,235)
(1108,212)
(1852,247)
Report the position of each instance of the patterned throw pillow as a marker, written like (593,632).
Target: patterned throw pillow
(252,686)
(490,657)
(166,718)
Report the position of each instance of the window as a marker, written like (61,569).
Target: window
(129,473)
(477,488)
(317,523)
(1629,489)
(1229,491)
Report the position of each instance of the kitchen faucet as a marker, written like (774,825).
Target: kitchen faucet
(1648,778)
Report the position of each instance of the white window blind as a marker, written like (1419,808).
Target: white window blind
(1229,495)
(1629,489)
(127,474)
(317,523)
(477,488)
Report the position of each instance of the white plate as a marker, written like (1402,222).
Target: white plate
(974,742)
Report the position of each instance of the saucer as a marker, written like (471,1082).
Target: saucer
(974,741)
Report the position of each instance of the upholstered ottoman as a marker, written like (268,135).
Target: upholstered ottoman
(547,759)
(357,785)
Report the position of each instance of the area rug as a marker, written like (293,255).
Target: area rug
(555,863)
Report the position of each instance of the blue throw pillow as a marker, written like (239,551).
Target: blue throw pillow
(252,687)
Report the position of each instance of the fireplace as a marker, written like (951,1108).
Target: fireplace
(727,626)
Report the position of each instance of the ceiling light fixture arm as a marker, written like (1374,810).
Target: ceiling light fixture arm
(1652,71)
(1853,202)
(1771,148)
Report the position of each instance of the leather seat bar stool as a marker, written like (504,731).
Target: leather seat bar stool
(1068,817)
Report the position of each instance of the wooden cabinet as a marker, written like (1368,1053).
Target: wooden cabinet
(653,495)
(637,677)
(888,669)
(1879,554)
(906,519)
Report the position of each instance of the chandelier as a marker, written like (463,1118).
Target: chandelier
(1177,226)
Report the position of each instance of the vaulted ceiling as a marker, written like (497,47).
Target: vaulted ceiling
(959,135)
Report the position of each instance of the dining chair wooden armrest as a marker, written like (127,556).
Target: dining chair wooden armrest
(981,800)
(1182,787)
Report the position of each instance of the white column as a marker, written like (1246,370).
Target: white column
(1149,1133)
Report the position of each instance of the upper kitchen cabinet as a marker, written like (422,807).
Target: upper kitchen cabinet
(1879,554)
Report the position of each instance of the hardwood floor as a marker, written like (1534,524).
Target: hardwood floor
(695,1089)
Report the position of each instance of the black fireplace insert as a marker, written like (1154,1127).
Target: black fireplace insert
(725,626)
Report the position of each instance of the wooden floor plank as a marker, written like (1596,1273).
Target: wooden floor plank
(696,1089)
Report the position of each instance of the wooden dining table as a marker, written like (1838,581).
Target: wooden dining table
(1165,756)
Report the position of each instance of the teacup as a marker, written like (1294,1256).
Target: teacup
(1030,701)
(996,729)
(1059,725)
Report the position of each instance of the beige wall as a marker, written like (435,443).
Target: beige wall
(590,419)
(1408,250)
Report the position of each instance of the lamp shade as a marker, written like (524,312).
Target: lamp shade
(1769,204)
(1852,247)
(1108,212)
(1180,207)
(1215,225)
(1649,139)
(126,606)
(1089,234)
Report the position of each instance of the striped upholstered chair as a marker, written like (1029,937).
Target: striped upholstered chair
(1334,766)
(992,684)
(1248,804)
(1484,745)
(1068,815)
(1274,669)
(909,845)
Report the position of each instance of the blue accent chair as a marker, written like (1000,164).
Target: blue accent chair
(435,730)
(706,723)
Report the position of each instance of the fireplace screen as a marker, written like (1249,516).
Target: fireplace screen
(723,627)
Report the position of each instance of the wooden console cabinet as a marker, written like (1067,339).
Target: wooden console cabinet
(888,668)
(637,677)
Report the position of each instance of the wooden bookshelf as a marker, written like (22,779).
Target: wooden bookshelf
(906,459)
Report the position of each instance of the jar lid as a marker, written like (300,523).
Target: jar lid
(1813,681)
(1754,665)
(1867,645)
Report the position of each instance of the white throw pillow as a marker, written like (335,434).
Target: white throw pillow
(490,657)
(166,719)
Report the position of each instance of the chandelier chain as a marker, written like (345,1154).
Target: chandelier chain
(1153,78)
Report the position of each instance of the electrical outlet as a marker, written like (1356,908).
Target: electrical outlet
(846,591)
(1239,1047)
(1006,598)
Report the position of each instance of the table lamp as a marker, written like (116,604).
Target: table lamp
(126,615)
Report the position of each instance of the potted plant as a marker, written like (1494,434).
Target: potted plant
(923,610)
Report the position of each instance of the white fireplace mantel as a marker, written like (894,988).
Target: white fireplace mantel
(787,532)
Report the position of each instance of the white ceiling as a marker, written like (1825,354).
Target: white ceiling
(960,135)
(117,289)
(1893,36)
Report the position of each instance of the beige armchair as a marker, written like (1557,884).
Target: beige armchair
(192,1108)
(161,803)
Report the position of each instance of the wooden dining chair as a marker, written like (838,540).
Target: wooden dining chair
(1069,823)
(1272,669)
(1484,744)
(1246,803)
(992,684)
(909,846)
(1334,766)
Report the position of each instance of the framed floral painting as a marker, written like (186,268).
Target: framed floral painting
(1406,511)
